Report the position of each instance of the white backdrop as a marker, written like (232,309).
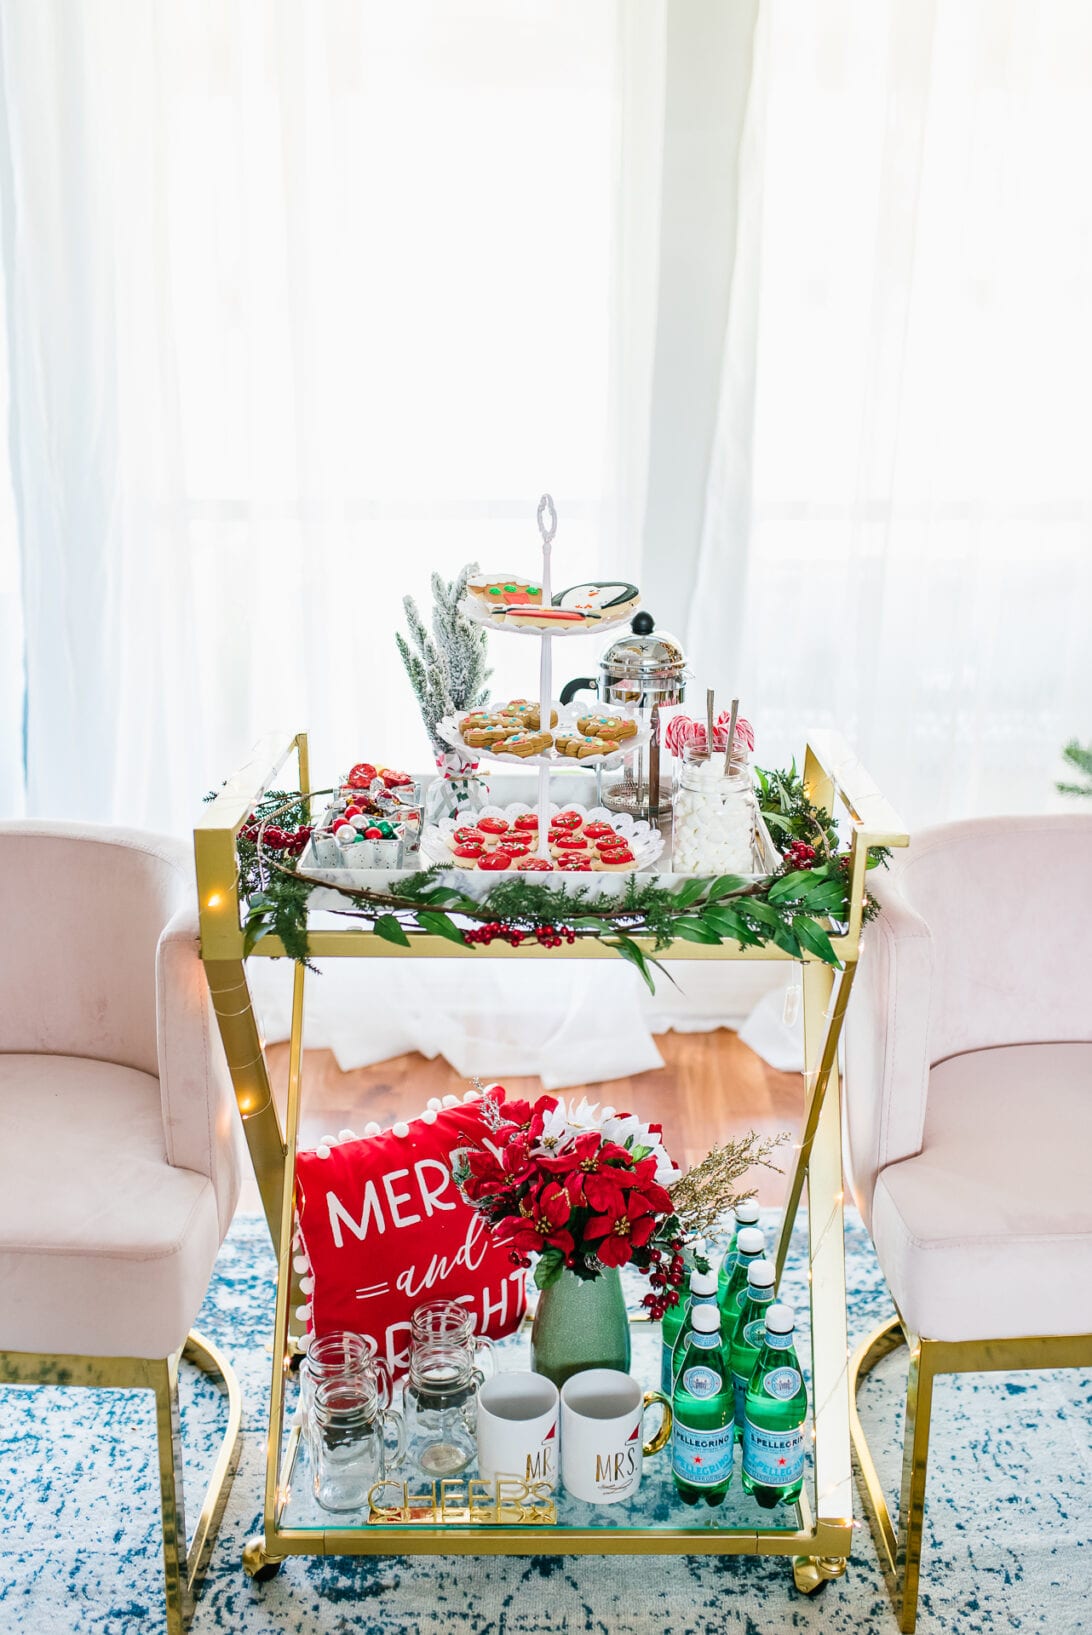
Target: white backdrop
(787,305)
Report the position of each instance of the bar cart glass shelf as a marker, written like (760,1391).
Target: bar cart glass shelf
(817,1531)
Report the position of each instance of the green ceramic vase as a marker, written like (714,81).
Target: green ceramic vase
(580,1324)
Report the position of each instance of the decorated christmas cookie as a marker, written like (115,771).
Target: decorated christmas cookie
(614,727)
(600,597)
(492,828)
(528,865)
(504,590)
(599,831)
(581,746)
(527,743)
(568,821)
(496,860)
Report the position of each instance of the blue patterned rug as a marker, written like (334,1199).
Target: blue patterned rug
(1007,1521)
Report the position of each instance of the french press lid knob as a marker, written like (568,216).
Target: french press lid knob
(642,624)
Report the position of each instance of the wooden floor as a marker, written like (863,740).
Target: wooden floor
(711,1088)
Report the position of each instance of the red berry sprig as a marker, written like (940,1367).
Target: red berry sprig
(547,936)
(800,855)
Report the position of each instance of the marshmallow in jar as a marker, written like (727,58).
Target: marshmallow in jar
(714,824)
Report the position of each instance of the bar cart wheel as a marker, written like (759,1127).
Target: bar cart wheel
(813,1573)
(258,1564)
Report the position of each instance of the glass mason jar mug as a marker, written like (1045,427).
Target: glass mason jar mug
(440,1404)
(349,1441)
(449,1322)
(715,814)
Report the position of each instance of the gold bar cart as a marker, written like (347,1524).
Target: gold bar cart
(817,1532)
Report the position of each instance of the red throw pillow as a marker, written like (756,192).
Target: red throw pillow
(384,1229)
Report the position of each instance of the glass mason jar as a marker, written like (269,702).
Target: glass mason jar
(339,1355)
(450,1322)
(349,1442)
(714,818)
(440,1404)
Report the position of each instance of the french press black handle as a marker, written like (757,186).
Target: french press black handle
(571,688)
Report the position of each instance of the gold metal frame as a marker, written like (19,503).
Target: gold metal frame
(821,1544)
(900,1552)
(183,1566)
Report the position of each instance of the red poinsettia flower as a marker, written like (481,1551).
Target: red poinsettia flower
(594,1170)
(541,1223)
(644,1179)
(626,1225)
(517,1112)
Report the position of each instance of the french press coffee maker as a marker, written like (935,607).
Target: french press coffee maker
(642,670)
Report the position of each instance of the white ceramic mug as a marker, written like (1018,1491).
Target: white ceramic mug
(518,1427)
(602,1411)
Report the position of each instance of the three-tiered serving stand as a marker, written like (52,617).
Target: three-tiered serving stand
(816,1532)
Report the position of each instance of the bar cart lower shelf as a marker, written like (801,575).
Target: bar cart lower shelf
(816,1533)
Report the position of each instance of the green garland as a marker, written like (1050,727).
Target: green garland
(784,908)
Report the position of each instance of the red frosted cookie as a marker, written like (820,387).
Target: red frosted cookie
(527,823)
(599,831)
(466,856)
(493,828)
(497,859)
(569,844)
(567,821)
(527,864)
(574,865)
(468,837)
(616,860)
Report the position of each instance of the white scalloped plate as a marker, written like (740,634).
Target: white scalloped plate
(645,841)
(567,717)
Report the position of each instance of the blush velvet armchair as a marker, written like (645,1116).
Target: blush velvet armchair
(969,1123)
(119,1162)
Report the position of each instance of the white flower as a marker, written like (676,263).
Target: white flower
(557,1133)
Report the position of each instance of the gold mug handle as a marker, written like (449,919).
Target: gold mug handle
(663,1435)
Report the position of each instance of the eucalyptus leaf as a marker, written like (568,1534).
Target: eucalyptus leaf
(690,893)
(387,927)
(440,926)
(789,887)
(726,885)
(691,929)
(814,939)
(630,951)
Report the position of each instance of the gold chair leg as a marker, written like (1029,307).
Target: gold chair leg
(915,1457)
(900,1554)
(184,1569)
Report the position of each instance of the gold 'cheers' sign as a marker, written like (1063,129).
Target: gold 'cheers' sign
(506,1501)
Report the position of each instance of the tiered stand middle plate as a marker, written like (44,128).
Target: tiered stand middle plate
(817,1532)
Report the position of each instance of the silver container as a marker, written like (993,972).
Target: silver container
(640,671)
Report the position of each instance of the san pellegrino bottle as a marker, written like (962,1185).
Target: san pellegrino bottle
(703,1292)
(703,1418)
(750,1245)
(750,1331)
(744,1214)
(775,1416)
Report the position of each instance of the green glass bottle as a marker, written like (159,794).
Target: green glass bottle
(775,1416)
(750,1331)
(744,1214)
(703,1292)
(703,1425)
(750,1245)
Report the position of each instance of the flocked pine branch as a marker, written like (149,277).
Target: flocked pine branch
(446,667)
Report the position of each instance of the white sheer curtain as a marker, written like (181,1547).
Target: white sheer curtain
(305,301)
(897,529)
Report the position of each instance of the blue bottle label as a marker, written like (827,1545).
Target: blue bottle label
(781,1383)
(728,1265)
(704,1342)
(702,1458)
(753,1332)
(702,1382)
(779,1342)
(773,1458)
